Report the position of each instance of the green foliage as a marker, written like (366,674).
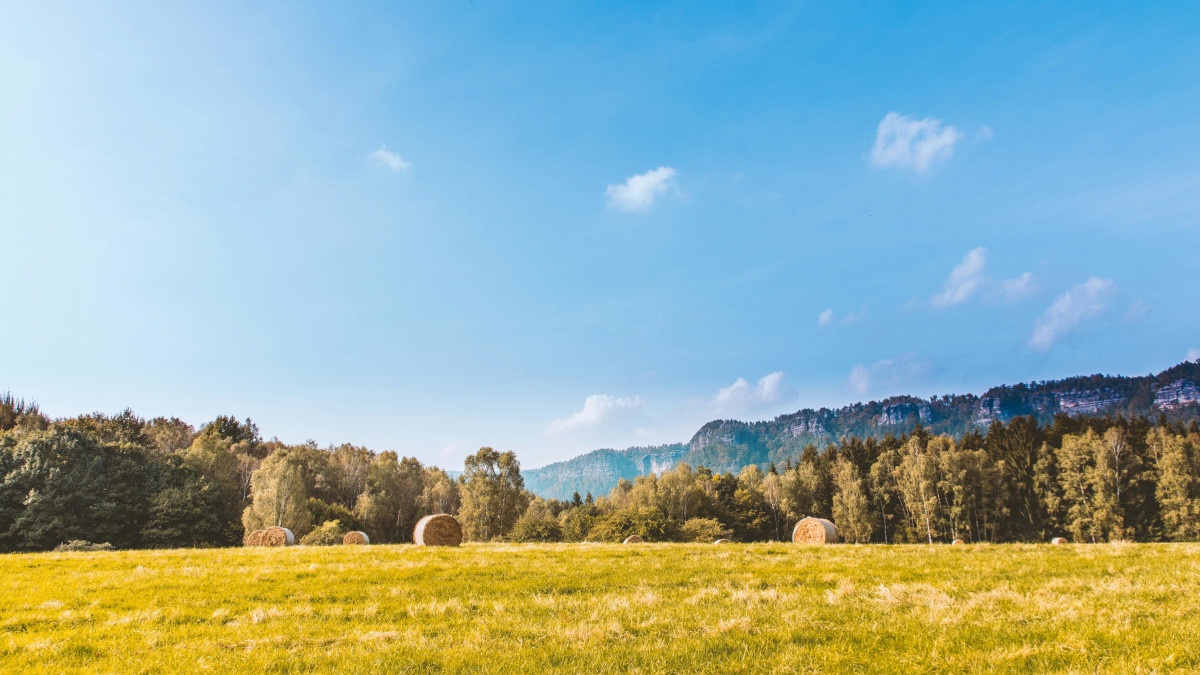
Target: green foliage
(493,495)
(579,521)
(328,533)
(184,509)
(65,484)
(533,528)
(20,415)
(279,495)
(703,530)
(81,545)
(648,523)
(322,511)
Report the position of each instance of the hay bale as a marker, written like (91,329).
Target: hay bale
(633,539)
(255,538)
(721,541)
(958,542)
(278,536)
(1057,541)
(356,538)
(814,531)
(437,530)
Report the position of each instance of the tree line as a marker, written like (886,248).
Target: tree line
(162,483)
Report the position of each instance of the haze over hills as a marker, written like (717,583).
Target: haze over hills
(729,445)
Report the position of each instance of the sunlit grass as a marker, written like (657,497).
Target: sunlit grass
(606,608)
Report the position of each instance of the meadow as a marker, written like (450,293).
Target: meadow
(1119,608)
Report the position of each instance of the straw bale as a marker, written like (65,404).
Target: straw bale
(633,539)
(437,530)
(814,531)
(278,536)
(356,538)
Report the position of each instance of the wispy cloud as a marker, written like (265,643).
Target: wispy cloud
(1137,311)
(388,159)
(964,279)
(1069,310)
(891,375)
(906,143)
(1193,355)
(599,411)
(829,318)
(638,193)
(1021,287)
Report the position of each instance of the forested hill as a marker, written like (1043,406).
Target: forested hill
(729,445)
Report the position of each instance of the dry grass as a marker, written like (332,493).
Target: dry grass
(1124,608)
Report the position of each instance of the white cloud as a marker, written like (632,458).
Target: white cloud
(1080,303)
(906,143)
(391,160)
(1138,310)
(1012,290)
(897,375)
(1193,355)
(638,193)
(964,280)
(455,450)
(828,318)
(599,411)
(741,397)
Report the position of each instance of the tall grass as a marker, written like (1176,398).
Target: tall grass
(606,608)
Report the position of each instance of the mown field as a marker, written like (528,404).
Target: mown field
(1121,608)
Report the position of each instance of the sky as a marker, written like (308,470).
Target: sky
(554,227)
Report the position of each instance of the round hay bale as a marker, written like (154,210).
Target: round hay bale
(814,531)
(255,538)
(958,542)
(437,530)
(1057,541)
(356,538)
(633,539)
(721,541)
(278,536)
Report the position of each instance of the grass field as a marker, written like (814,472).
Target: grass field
(1120,608)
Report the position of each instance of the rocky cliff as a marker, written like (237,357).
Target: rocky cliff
(728,445)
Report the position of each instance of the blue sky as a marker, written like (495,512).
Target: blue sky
(550,228)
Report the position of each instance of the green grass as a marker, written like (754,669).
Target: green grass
(1121,608)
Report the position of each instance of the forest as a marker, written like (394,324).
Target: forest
(161,483)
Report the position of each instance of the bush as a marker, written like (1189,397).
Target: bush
(323,512)
(535,529)
(648,523)
(330,533)
(579,521)
(704,530)
(83,545)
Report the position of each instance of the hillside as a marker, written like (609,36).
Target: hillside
(728,445)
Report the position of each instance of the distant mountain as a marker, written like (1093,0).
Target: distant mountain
(729,445)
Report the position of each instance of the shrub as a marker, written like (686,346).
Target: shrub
(579,521)
(531,528)
(83,545)
(323,512)
(704,530)
(648,523)
(328,534)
